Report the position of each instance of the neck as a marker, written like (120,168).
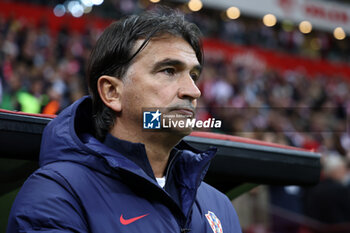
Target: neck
(158,145)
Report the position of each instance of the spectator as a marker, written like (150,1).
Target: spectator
(329,201)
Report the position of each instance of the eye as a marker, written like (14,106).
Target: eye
(194,76)
(168,71)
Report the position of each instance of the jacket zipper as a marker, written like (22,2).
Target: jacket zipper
(170,165)
(186,229)
(182,229)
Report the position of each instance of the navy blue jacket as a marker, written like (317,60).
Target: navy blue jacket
(84,185)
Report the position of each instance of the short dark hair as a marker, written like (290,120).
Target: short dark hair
(112,54)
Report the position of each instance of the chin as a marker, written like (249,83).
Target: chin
(181,132)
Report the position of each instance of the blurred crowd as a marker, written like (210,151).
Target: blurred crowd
(43,72)
(284,36)
(296,109)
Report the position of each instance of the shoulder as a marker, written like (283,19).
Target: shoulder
(213,201)
(76,178)
(213,198)
(52,181)
(207,191)
(210,196)
(52,178)
(46,199)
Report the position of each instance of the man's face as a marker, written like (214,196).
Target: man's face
(162,75)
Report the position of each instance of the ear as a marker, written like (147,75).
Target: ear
(110,90)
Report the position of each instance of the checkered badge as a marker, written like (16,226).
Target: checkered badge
(214,222)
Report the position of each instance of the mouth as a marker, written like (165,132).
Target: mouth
(185,112)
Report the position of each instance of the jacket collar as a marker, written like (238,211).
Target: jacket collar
(135,152)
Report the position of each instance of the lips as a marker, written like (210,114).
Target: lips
(185,112)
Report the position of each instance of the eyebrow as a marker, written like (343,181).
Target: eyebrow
(175,63)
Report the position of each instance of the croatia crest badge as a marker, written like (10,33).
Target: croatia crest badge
(214,222)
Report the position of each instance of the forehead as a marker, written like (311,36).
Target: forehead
(166,47)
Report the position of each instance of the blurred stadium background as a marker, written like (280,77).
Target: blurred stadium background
(282,65)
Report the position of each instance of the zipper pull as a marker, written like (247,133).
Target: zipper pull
(185,230)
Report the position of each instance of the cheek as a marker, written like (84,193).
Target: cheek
(132,100)
(164,96)
(130,97)
(148,92)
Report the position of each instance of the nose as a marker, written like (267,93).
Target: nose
(188,89)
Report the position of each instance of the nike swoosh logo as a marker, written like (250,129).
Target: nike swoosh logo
(131,220)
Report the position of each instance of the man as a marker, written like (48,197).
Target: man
(117,176)
(329,201)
